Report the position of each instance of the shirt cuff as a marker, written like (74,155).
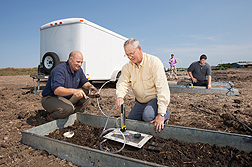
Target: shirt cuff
(162,109)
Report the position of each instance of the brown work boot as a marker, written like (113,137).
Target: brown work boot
(82,107)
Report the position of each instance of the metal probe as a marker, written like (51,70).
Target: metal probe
(123,126)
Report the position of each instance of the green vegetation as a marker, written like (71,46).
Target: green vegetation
(212,68)
(222,66)
(181,69)
(226,65)
(18,71)
(218,68)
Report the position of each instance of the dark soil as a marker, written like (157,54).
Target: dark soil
(174,153)
(20,110)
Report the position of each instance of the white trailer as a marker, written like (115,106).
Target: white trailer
(102,49)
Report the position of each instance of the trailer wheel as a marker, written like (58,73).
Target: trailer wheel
(50,60)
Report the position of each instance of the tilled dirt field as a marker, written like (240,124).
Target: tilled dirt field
(21,110)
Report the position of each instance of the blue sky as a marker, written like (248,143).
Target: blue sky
(221,29)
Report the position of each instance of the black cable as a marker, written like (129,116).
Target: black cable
(230,92)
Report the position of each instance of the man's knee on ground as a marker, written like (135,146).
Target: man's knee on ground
(148,114)
(64,112)
(147,118)
(150,110)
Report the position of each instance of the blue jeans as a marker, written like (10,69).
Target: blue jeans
(145,111)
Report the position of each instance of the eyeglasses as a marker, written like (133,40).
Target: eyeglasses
(131,54)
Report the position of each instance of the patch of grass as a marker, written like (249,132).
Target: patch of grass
(18,71)
(181,69)
(219,68)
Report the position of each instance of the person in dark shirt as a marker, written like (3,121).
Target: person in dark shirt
(66,89)
(198,71)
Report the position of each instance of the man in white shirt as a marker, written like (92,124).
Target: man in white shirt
(146,76)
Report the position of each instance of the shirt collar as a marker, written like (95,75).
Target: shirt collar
(69,70)
(142,62)
(202,65)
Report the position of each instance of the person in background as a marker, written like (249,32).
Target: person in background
(64,92)
(172,62)
(200,72)
(146,76)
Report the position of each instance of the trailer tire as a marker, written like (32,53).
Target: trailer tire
(50,60)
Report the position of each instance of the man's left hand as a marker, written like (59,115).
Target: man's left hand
(92,90)
(158,123)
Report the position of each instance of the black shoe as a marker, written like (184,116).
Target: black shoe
(48,118)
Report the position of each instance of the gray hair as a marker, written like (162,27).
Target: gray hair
(135,43)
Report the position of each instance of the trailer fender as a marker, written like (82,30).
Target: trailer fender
(115,75)
(49,61)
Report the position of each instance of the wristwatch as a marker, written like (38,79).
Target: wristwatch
(162,114)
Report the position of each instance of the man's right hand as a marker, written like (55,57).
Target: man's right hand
(119,101)
(79,93)
(194,80)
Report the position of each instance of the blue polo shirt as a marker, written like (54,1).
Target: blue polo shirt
(62,76)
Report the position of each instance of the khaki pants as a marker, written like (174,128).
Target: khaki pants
(60,107)
(173,71)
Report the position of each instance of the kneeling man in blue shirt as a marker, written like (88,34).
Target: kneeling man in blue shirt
(64,92)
